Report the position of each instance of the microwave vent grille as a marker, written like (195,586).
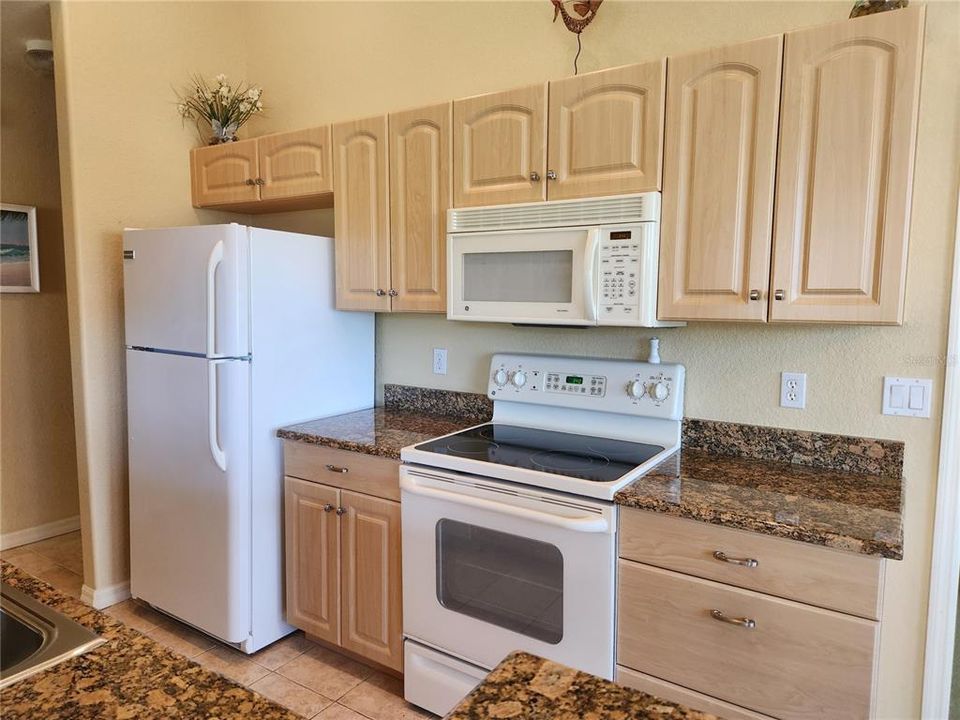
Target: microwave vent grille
(644,207)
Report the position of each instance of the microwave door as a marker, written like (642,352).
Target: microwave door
(532,276)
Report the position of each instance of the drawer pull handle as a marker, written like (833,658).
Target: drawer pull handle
(723,557)
(337,469)
(746,623)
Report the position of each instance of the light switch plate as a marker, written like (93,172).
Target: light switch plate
(907,396)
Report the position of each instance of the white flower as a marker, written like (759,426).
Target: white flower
(254,93)
(225,90)
(259,106)
(184,110)
(245,106)
(221,79)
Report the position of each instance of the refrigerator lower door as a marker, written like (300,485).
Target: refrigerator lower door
(186,289)
(190,490)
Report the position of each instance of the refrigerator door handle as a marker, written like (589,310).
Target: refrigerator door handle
(213,424)
(213,262)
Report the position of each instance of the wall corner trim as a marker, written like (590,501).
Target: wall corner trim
(39,532)
(105,597)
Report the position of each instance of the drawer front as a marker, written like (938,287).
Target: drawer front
(692,699)
(797,662)
(810,574)
(368,474)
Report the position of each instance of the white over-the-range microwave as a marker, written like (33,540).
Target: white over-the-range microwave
(566,262)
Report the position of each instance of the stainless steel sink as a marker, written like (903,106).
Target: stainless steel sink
(34,637)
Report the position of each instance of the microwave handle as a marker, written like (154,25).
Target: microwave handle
(590,264)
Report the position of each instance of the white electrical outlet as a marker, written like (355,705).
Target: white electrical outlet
(439,361)
(793,390)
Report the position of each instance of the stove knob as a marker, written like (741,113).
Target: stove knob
(635,389)
(500,377)
(519,378)
(659,391)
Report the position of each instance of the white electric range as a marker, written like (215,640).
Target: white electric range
(509,529)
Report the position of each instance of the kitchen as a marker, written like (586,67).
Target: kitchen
(732,368)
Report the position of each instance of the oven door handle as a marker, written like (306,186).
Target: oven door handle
(596,524)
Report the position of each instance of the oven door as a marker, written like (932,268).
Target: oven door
(490,567)
(524,276)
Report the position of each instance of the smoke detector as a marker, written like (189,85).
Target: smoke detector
(39,55)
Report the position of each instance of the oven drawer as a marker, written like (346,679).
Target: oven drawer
(796,662)
(368,474)
(810,574)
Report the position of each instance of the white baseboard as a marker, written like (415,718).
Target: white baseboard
(39,532)
(105,597)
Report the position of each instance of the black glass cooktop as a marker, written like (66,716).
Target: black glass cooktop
(578,456)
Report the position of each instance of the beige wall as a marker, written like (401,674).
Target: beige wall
(125,164)
(38,457)
(366,58)
(322,62)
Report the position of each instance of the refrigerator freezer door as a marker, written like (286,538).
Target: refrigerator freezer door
(185,289)
(190,518)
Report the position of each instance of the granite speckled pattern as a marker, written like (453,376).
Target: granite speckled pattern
(527,687)
(843,453)
(129,676)
(377,431)
(846,511)
(473,406)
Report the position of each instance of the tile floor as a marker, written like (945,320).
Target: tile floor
(307,678)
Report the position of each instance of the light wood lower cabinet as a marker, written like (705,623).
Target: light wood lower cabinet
(343,568)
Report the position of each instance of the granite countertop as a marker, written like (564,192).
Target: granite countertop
(849,511)
(527,687)
(377,431)
(128,676)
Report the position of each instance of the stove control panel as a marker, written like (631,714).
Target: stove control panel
(618,386)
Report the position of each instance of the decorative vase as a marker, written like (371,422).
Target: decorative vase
(222,133)
(869,7)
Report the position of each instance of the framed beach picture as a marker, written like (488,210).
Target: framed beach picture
(19,264)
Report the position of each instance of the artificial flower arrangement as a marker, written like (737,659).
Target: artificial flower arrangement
(225,108)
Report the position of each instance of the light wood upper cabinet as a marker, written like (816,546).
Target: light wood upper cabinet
(717,212)
(500,147)
(225,174)
(312,538)
(606,132)
(420,176)
(372,607)
(294,164)
(362,217)
(847,139)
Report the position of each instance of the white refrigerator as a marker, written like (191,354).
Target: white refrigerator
(231,332)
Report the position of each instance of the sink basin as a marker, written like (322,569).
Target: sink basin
(34,637)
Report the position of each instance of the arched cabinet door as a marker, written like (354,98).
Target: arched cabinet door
(718,180)
(225,174)
(606,132)
(847,139)
(294,164)
(500,147)
(419,198)
(362,217)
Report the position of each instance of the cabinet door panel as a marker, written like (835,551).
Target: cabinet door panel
(361,216)
(419,198)
(848,130)
(224,174)
(606,132)
(721,146)
(294,164)
(372,602)
(312,540)
(499,141)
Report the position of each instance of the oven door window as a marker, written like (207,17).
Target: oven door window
(538,276)
(505,580)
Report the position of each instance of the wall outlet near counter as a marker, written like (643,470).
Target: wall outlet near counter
(793,390)
(439,361)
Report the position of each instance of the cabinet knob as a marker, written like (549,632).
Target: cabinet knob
(260,181)
(381,293)
(341,510)
(328,507)
(779,295)
(535,176)
(551,175)
(754,295)
(393,293)
(250,181)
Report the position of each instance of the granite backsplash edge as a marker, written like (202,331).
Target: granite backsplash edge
(844,453)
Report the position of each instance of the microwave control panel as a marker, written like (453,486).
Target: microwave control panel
(620,276)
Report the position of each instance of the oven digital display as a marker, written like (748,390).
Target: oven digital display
(574,380)
(621,235)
